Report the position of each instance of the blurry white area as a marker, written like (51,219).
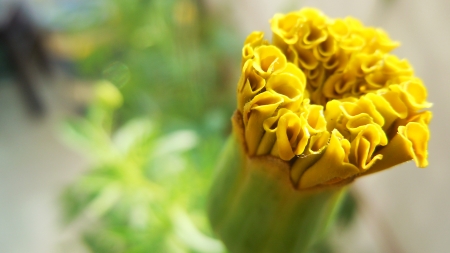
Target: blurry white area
(413,204)
(34,168)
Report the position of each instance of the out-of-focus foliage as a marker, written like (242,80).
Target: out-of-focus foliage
(166,56)
(137,196)
(156,124)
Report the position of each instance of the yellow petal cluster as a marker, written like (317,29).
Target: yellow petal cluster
(327,97)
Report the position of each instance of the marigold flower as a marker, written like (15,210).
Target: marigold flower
(360,93)
(321,105)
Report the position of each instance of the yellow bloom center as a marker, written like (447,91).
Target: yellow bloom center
(328,98)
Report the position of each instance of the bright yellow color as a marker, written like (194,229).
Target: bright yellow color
(327,97)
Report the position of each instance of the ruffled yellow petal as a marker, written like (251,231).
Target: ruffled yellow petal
(315,118)
(303,57)
(363,105)
(311,36)
(421,117)
(285,28)
(315,17)
(294,70)
(377,40)
(289,87)
(387,110)
(396,102)
(339,29)
(270,126)
(292,136)
(261,107)
(268,60)
(364,144)
(255,39)
(286,85)
(314,151)
(363,64)
(337,62)
(376,80)
(317,143)
(333,114)
(391,70)
(411,142)
(316,77)
(333,166)
(353,43)
(418,134)
(413,93)
(252,41)
(338,84)
(312,32)
(350,116)
(417,93)
(250,84)
(326,49)
(392,65)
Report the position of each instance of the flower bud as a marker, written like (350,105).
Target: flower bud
(322,105)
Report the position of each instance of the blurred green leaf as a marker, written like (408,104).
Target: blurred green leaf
(156,153)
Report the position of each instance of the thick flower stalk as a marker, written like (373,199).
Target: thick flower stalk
(321,105)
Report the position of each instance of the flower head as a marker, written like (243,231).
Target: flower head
(328,98)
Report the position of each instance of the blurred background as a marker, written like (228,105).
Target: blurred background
(113,113)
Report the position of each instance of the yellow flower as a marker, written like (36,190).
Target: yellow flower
(321,105)
(366,101)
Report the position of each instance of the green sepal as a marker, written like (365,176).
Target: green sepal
(254,207)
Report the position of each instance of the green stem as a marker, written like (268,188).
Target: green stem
(254,207)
